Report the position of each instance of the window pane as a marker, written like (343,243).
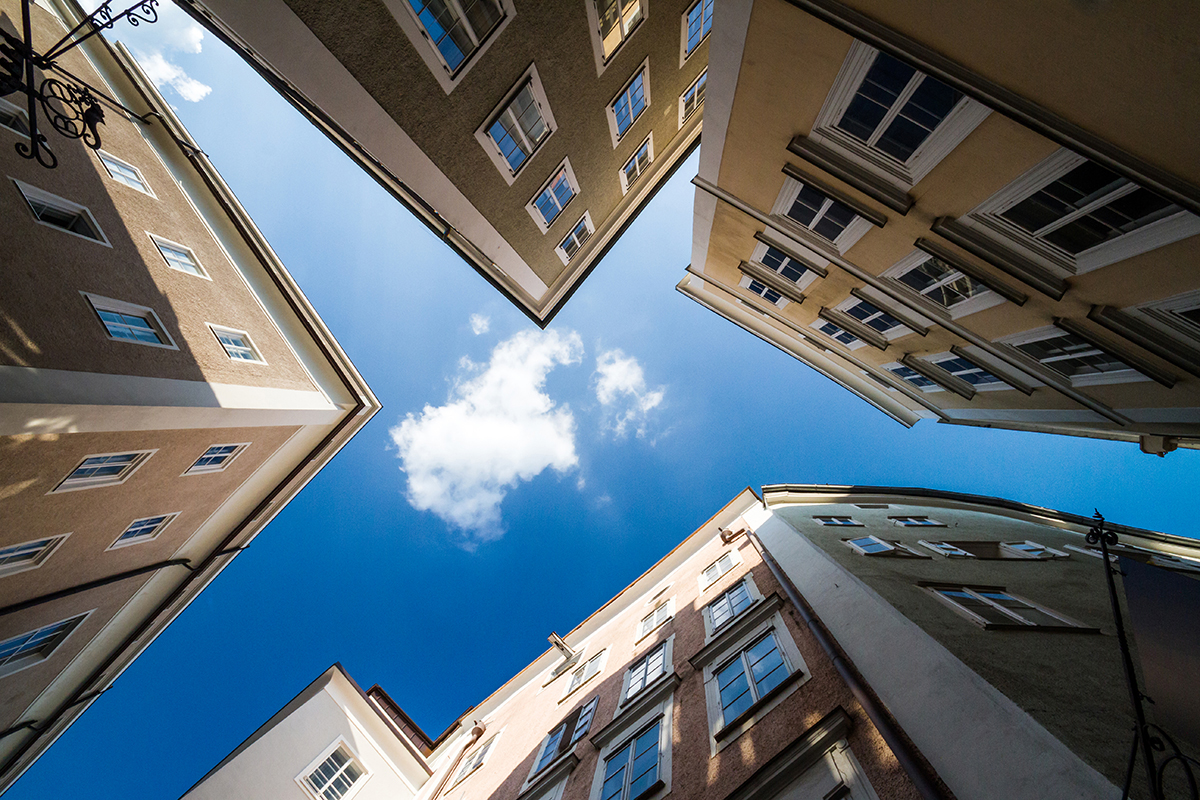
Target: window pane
(976,606)
(870,545)
(1069,355)
(924,111)
(808,204)
(834,221)
(766,665)
(878,92)
(734,690)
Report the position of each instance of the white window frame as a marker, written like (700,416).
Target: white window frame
(531,77)
(98,304)
(820,322)
(806,279)
(1166,316)
(669,605)
(895,332)
(593,17)
(683,115)
(160,242)
(41,557)
(667,645)
(1129,375)
(32,660)
(822,519)
(662,712)
(945,549)
(148,537)
(66,485)
(1017,620)
(569,689)
(684,53)
(896,365)
(903,521)
(32,193)
(855,230)
(258,356)
(610,113)
(940,359)
(106,157)
(980,302)
(986,218)
(531,206)
(748,283)
(891,545)
(647,143)
(561,252)
(735,557)
(958,124)
(756,597)
(17,111)
(1051,552)
(239,448)
(448,79)
(480,756)
(340,742)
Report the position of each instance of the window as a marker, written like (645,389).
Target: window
(629,104)
(946,549)
(216,458)
(129,323)
(588,671)
(917,522)
(28,555)
(770,295)
(474,761)
(783,264)
(975,375)
(1072,357)
(1006,550)
(726,607)
(849,521)
(124,172)
(562,739)
(13,118)
(692,98)
(993,607)
(874,546)
(811,211)
(618,19)
(663,612)
(334,777)
(838,334)
(891,119)
(714,571)
(637,164)
(143,530)
(938,281)
(179,257)
(52,210)
(456,29)
(35,646)
(697,24)
(873,316)
(911,376)
(237,344)
(575,240)
(749,676)
(1034,550)
(647,669)
(104,470)
(1076,214)
(554,196)
(517,126)
(633,770)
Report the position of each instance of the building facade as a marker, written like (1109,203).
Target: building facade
(938,228)
(165,387)
(527,136)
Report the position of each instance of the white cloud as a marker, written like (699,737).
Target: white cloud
(497,429)
(164,73)
(620,387)
(480,324)
(153,45)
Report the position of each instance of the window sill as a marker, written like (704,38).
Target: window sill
(653,630)
(643,702)
(733,630)
(738,723)
(1001,257)
(866,182)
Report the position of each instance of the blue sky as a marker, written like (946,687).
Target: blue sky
(424,602)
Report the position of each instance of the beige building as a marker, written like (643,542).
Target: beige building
(821,642)
(527,136)
(955,232)
(165,388)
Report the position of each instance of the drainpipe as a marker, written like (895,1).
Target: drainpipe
(476,733)
(910,759)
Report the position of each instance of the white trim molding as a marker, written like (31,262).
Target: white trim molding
(530,77)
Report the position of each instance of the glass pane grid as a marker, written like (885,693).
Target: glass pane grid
(630,104)
(237,346)
(180,259)
(142,528)
(104,466)
(24,553)
(694,95)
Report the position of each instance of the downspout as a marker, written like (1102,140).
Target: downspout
(906,753)
(476,733)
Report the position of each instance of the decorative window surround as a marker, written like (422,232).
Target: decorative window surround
(61,214)
(564,666)
(216,458)
(1107,368)
(14,118)
(1005,259)
(631,12)
(1170,225)
(629,104)
(637,165)
(647,670)
(557,199)
(560,742)
(768,291)
(663,613)
(126,322)
(940,377)
(871,314)
(526,145)
(692,99)
(337,774)
(932,281)
(1158,328)
(581,676)
(729,606)
(874,546)
(912,320)
(694,26)
(103,469)
(838,522)
(790,268)
(880,171)
(837,333)
(653,706)
(551,782)
(124,173)
(840,319)
(965,368)
(993,608)
(919,521)
(574,241)
(912,377)
(179,257)
(792,291)
(29,555)
(1001,369)
(753,625)
(237,345)
(946,549)
(838,215)
(141,530)
(988,550)
(719,568)
(34,647)
(424,42)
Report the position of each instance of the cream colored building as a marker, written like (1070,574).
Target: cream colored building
(165,389)
(974,213)
(527,136)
